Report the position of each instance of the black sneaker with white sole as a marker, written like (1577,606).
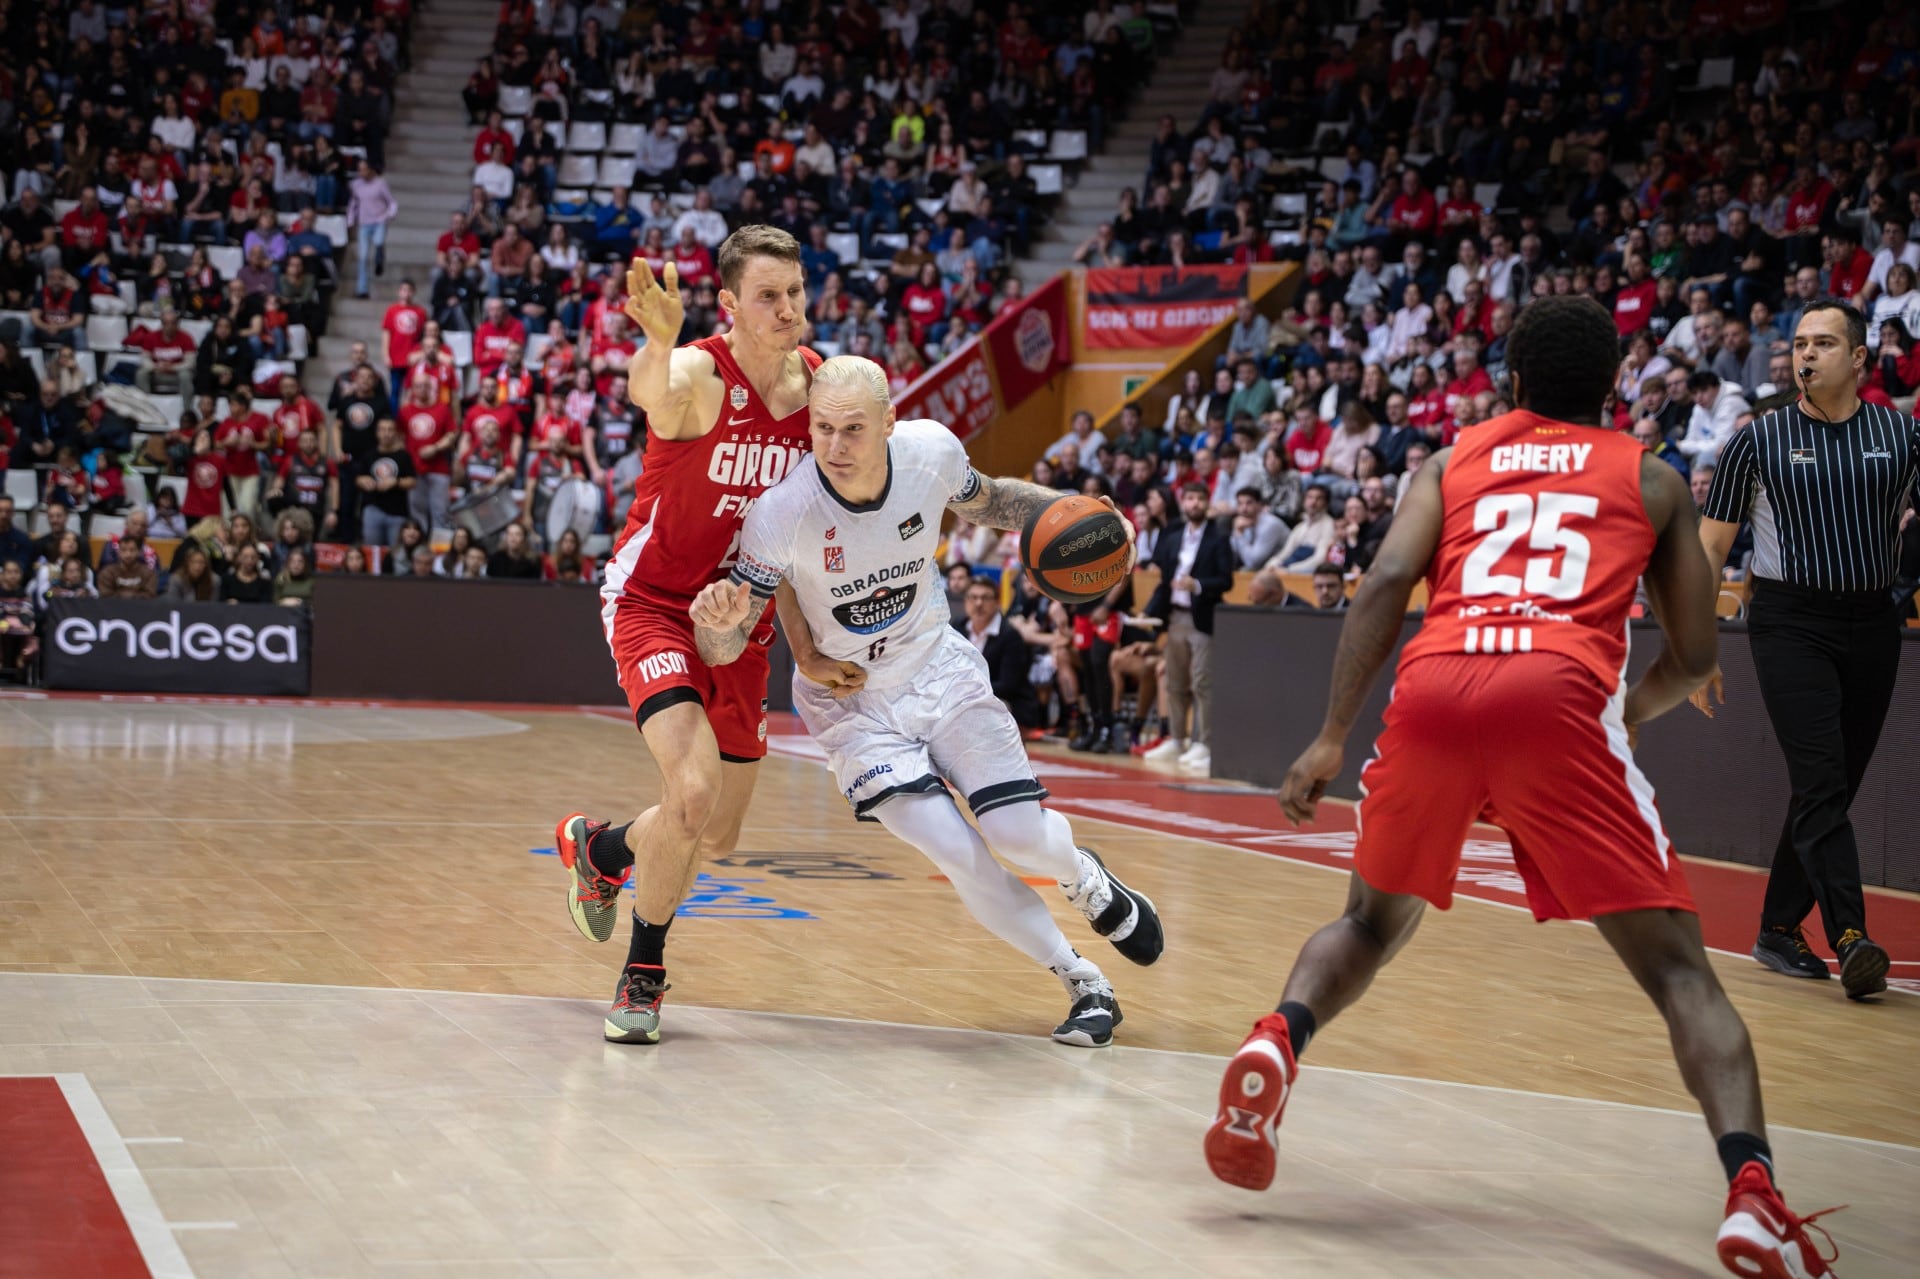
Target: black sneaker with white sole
(1785,950)
(1094,1014)
(1120,914)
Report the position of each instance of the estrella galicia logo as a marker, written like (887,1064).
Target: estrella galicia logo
(875,612)
(911,525)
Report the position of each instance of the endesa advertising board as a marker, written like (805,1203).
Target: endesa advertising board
(160,646)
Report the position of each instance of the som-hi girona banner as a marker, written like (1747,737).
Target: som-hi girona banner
(997,368)
(1134,306)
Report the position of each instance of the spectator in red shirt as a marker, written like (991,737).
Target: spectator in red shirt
(1633,304)
(85,227)
(1469,379)
(459,235)
(206,481)
(498,330)
(296,413)
(1426,402)
(611,354)
(490,411)
(166,353)
(242,438)
(401,330)
(1808,200)
(1848,265)
(693,260)
(1413,214)
(1306,444)
(494,135)
(924,303)
(428,426)
(434,363)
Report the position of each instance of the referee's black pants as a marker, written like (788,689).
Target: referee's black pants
(1826,663)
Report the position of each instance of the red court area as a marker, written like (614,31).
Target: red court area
(1249,820)
(58,1215)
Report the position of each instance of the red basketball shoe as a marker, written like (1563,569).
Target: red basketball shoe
(1240,1145)
(1762,1239)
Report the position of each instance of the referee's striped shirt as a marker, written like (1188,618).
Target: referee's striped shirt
(1825,500)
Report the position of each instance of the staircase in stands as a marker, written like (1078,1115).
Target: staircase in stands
(1178,88)
(429,167)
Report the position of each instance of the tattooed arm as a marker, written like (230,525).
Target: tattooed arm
(1368,636)
(1002,504)
(724,616)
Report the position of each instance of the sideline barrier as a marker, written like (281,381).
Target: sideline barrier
(171,646)
(1721,783)
(452,641)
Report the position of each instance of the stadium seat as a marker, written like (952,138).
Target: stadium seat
(846,245)
(1048,179)
(227,259)
(334,227)
(578,170)
(515,100)
(106,332)
(587,137)
(1067,145)
(1715,73)
(614,171)
(461,344)
(178,483)
(106,527)
(624,139)
(24,488)
(196,329)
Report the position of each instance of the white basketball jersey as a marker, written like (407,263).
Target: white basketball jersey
(866,575)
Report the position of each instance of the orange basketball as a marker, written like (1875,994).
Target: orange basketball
(1075,549)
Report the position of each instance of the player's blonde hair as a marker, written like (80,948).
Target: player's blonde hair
(853,371)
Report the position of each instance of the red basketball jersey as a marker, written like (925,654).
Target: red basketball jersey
(683,530)
(1542,543)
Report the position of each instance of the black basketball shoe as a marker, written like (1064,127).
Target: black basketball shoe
(1785,950)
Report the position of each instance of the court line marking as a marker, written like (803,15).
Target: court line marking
(149,1227)
(203,1225)
(154,1141)
(1038,1044)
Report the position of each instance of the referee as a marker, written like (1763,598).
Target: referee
(1824,483)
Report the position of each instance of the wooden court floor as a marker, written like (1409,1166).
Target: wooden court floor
(1497,1105)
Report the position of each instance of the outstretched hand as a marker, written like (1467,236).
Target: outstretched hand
(722,606)
(657,311)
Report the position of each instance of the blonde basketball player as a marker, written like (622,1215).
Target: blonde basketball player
(899,699)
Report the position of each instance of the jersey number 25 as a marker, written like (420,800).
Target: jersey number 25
(1505,518)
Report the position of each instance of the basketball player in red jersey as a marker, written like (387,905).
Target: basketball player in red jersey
(726,419)
(1510,705)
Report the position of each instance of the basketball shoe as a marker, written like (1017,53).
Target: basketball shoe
(1762,1239)
(1240,1145)
(1785,950)
(593,900)
(1863,964)
(1118,913)
(635,1015)
(1094,1014)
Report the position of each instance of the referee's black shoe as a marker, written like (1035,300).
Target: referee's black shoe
(1863,964)
(1785,950)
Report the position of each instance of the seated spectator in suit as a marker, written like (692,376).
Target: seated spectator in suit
(1008,658)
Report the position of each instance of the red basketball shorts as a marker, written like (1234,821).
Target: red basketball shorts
(659,667)
(1533,744)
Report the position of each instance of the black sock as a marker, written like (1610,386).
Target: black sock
(1738,1149)
(608,853)
(1300,1025)
(649,945)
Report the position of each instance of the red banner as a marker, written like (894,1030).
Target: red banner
(1159,305)
(1029,343)
(957,391)
(998,367)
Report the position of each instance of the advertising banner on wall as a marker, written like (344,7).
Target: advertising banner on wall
(1134,306)
(154,646)
(998,368)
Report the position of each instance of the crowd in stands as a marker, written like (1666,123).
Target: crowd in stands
(1704,171)
(174,178)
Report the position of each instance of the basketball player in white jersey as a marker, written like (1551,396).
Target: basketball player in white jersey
(852,529)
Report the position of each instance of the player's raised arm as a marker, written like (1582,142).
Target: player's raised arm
(1368,635)
(1682,585)
(659,378)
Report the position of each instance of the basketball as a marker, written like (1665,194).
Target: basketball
(1076,549)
